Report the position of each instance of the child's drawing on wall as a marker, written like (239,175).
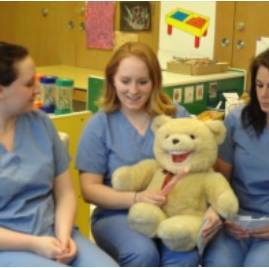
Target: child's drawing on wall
(135,16)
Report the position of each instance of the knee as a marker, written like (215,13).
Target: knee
(256,262)
(218,261)
(191,260)
(141,257)
(182,259)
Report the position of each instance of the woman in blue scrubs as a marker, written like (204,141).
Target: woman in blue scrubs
(244,160)
(120,135)
(37,200)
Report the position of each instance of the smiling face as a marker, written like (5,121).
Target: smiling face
(133,84)
(185,143)
(18,97)
(262,89)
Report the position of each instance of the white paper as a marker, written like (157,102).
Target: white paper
(231,101)
(262,44)
(230,95)
(247,222)
(201,241)
(231,104)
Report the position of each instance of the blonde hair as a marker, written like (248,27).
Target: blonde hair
(158,103)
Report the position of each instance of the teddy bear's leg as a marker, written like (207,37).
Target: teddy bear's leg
(145,218)
(180,233)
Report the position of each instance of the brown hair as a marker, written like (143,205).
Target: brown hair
(252,114)
(158,102)
(10,54)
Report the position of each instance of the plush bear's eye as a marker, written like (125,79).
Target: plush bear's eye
(192,137)
(167,136)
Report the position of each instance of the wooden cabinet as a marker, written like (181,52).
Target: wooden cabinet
(53,32)
(224,31)
(238,26)
(40,26)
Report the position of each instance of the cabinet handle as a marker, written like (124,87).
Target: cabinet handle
(240,44)
(82,26)
(71,24)
(44,12)
(225,42)
(240,26)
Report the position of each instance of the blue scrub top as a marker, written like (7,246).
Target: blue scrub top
(110,141)
(27,175)
(249,156)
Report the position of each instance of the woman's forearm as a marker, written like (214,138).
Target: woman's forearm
(65,206)
(11,240)
(65,214)
(106,197)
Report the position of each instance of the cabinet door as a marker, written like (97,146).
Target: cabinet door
(7,24)
(242,23)
(66,38)
(23,22)
(55,33)
(250,23)
(45,28)
(223,47)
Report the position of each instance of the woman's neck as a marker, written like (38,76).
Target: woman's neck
(134,114)
(139,119)
(6,124)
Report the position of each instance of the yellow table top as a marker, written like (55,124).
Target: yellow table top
(79,75)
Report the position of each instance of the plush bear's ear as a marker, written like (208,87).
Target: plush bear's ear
(217,128)
(159,121)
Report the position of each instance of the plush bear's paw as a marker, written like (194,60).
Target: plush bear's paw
(177,237)
(120,179)
(227,205)
(145,218)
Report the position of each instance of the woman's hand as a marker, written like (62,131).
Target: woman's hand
(260,233)
(70,251)
(155,198)
(236,230)
(47,246)
(159,198)
(213,224)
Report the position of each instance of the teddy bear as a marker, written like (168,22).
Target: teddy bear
(185,150)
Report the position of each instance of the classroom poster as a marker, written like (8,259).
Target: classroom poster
(199,92)
(99,24)
(177,95)
(189,94)
(213,90)
(181,43)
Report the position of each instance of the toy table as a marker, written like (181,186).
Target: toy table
(187,21)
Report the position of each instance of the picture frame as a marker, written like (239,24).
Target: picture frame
(135,16)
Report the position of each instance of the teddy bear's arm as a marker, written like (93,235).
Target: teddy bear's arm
(221,196)
(136,177)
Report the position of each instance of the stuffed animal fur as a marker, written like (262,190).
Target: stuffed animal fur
(184,143)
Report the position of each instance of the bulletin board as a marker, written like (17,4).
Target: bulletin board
(188,20)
